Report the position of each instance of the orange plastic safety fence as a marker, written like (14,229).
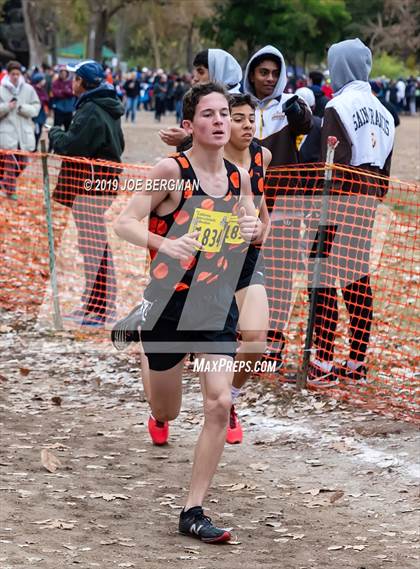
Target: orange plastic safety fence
(94,267)
(367,285)
(367,278)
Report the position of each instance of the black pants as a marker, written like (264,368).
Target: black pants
(100,291)
(358,298)
(345,259)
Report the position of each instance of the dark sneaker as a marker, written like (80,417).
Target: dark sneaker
(234,433)
(158,431)
(193,522)
(318,377)
(126,330)
(352,376)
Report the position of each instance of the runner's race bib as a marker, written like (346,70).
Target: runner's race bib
(233,234)
(213,227)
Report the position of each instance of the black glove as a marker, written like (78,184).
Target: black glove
(291,107)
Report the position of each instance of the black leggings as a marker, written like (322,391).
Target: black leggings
(359,302)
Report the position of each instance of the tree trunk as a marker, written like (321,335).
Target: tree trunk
(190,35)
(98,24)
(305,61)
(121,35)
(36,49)
(154,40)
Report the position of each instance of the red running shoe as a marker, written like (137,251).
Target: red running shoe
(158,431)
(234,432)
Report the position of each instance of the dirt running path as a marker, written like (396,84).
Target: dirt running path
(314,485)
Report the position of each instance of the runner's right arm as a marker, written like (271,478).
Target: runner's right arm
(128,225)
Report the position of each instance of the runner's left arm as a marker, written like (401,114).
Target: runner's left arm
(264,216)
(251,227)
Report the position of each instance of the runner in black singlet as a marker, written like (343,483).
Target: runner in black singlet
(190,298)
(251,297)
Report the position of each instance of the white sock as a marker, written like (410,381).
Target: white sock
(353,364)
(325,366)
(235,391)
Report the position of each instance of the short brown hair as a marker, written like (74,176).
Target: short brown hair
(196,93)
(239,99)
(13,64)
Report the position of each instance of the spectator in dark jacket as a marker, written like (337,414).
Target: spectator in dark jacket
(160,89)
(378,91)
(62,99)
(316,79)
(95,132)
(179,92)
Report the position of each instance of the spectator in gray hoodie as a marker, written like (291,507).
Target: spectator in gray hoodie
(365,130)
(209,65)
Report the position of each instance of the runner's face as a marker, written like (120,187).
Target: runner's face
(264,78)
(243,126)
(211,124)
(200,75)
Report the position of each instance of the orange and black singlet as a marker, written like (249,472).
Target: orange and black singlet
(196,211)
(253,255)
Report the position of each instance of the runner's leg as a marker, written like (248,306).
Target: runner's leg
(166,392)
(217,401)
(253,324)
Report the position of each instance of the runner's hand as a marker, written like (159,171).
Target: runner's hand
(250,226)
(183,247)
(173,136)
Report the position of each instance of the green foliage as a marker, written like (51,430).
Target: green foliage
(294,26)
(361,12)
(389,66)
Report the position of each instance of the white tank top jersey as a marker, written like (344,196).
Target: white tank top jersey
(369,125)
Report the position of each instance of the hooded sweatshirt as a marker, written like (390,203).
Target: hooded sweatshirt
(364,128)
(223,68)
(274,130)
(94,132)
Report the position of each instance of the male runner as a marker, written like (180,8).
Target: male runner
(190,296)
(251,297)
(244,151)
